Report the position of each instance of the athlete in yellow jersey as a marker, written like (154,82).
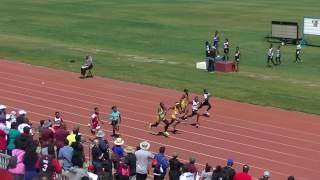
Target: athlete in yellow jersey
(184,102)
(161,117)
(175,120)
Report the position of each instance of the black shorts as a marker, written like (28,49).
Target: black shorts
(114,124)
(194,112)
(226,51)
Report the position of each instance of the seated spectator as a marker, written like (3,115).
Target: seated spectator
(206,174)
(244,175)
(266,175)
(60,136)
(72,137)
(19,170)
(162,165)
(143,157)
(228,170)
(22,117)
(88,64)
(30,159)
(117,152)
(218,174)
(65,154)
(12,136)
(48,165)
(191,166)
(46,134)
(130,159)
(3,136)
(186,175)
(175,166)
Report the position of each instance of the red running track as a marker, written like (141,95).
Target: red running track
(283,142)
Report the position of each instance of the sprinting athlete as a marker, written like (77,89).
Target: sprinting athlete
(95,119)
(175,120)
(184,101)
(195,109)
(206,102)
(115,120)
(161,117)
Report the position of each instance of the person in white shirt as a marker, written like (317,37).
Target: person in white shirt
(88,64)
(298,53)
(186,175)
(226,49)
(270,56)
(278,56)
(143,157)
(195,107)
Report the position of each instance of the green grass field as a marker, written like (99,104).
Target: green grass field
(158,42)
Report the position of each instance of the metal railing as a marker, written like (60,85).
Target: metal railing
(4,160)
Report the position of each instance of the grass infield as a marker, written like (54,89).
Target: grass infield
(158,42)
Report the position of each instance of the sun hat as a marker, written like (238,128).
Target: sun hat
(21,112)
(129,149)
(266,174)
(119,141)
(144,145)
(230,162)
(2,107)
(100,133)
(46,124)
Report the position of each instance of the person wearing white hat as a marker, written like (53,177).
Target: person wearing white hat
(143,157)
(266,175)
(22,118)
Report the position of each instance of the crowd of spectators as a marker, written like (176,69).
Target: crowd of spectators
(51,150)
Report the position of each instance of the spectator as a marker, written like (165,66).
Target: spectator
(12,136)
(130,159)
(18,171)
(207,48)
(97,157)
(117,152)
(3,136)
(48,165)
(22,117)
(143,156)
(186,175)
(88,64)
(191,166)
(46,135)
(162,165)
(25,138)
(291,178)
(30,159)
(103,143)
(218,174)
(78,157)
(266,175)
(60,135)
(65,154)
(206,174)
(3,113)
(106,168)
(228,170)
(72,137)
(175,166)
(21,126)
(77,173)
(243,175)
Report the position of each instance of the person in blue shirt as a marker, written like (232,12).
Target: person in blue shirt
(115,120)
(162,164)
(65,154)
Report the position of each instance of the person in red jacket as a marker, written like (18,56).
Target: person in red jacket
(244,175)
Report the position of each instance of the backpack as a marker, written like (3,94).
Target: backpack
(13,161)
(123,170)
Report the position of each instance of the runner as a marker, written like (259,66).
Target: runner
(184,101)
(57,120)
(176,110)
(115,120)
(195,108)
(161,117)
(206,102)
(95,118)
